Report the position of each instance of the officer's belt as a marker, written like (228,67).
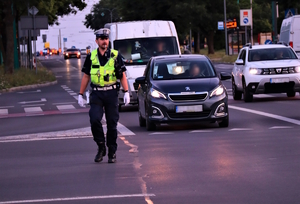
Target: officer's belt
(105,88)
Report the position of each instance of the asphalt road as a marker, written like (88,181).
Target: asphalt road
(47,153)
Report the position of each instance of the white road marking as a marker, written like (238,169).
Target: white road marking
(124,131)
(67,89)
(73,94)
(263,96)
(65,107)
(199,131)
(161,133)
(33,110)
(6,107)
(280,127)
(63,103)
(240,129)
(58,76)
(25,102)
(64,86)
(3,111)
(278,117)
(78,198)
(33,105)
(22,92)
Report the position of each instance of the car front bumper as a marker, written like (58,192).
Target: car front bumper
(164,111)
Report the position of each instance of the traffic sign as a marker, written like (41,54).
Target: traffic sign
(220,25)
(245,17)
(231,23)
(268,41)
(65,39)
(33,10)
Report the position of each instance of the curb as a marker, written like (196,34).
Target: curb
(19,88)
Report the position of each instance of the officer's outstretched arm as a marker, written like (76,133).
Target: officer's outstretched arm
(124,82)
(84,82)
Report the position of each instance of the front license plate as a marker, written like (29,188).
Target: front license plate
(182,109)
(279,80)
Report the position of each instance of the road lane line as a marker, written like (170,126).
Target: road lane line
(3,111)
(124,131)
(200,131)
(240,129)
(161,133)
(280,127)
(7,106)
(78,198)
(270,115)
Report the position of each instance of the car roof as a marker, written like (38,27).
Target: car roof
(256,47)
(174,57)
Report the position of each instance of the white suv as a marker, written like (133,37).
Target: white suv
(261,69)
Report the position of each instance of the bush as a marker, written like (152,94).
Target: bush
(23,76)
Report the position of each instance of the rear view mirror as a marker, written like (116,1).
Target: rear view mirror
(140,80)
(225,75)
(239,62)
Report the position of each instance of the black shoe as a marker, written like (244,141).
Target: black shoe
(100,154)
(112,159)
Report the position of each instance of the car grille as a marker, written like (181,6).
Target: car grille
(189,115)
(188,97)
(283,70)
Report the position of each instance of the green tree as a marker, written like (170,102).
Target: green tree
(11,10)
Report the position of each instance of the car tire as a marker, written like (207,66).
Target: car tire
(142,121)
(150,126)
(237,95)
(248,97)
(224,122)
(291,94)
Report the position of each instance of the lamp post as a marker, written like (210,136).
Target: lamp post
(225,28)
(110,10)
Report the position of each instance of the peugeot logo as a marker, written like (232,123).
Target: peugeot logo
(278,70)
(187,88)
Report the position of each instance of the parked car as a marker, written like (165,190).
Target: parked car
(83,51)
(69,53)
(262,69)
(181,88)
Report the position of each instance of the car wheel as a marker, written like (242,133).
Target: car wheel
(237,95)
(248,97)
(150,126)
(224,122)
(291,94)
(142,121)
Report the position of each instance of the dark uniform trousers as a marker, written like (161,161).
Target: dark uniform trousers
(107,101)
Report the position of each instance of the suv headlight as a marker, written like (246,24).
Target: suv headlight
(255,71)
(217,91)
(156,94)
(297,69)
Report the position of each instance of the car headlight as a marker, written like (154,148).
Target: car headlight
(297,69)
(255,71)
(67,54)
(217,91)
(156,94)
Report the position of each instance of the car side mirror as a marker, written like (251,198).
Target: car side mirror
(140,80)
(239,62)
(225,76)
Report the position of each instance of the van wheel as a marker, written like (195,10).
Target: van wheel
(291,94)
(237,95)
(150,126)
(248,97)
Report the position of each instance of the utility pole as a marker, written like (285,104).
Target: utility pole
(251,23)
(225,28)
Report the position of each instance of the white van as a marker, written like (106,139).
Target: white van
(290,32)
(136,41)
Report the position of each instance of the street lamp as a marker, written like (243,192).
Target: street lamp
(110,10)
(225,28)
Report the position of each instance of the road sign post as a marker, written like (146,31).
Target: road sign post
(33,11)
(246,20)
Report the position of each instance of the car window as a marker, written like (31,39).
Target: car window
(271,54)
(182,69)
(242,55)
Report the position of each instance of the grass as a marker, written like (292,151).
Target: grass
(219,56)
(23,76)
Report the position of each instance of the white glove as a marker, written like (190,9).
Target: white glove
(80,101)
(126,98)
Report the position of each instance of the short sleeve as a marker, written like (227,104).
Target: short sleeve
(87,65)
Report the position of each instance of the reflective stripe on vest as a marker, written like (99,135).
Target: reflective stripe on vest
(98,72)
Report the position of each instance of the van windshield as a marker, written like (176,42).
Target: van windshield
(138,51)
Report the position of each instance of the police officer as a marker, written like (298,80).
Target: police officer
(105,68)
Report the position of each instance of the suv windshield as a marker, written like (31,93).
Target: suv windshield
(271,54)
(140,50)
(182,69)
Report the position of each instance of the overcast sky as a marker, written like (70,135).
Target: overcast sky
(72,28)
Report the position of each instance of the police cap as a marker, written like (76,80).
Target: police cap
(103,32)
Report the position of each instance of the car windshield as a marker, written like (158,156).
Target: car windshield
(138,51)
(182,69)
(72,50)
(271,54)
